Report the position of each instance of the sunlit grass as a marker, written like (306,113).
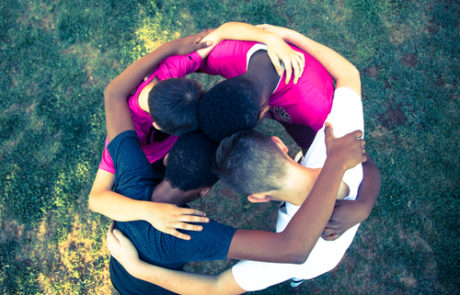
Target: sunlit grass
(57,57)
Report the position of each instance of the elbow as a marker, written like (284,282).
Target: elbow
(354,72)
(298,258)
(297,255)
(91,202)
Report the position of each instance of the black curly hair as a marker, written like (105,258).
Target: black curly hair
(189,162)
(228,107)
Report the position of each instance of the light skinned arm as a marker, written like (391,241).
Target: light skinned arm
(179,282)
(342,71)
(102,199)
(277,49)
(295,243)
(348,213)
(117,114)
(164,217)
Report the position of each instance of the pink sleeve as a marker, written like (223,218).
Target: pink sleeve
(178,66)
(106,161)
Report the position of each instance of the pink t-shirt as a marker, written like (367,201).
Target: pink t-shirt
(306,103)
(172,67)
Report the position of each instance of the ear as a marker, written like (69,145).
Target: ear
(280,144)
(157,127)
(204,191)
(263,112)
(165,160)
(258,198)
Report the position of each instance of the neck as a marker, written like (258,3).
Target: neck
(298,185)
(263,74)
(165,193)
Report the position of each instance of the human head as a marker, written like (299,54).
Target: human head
(189,162)
(173,105)
(230,106)
(249,163)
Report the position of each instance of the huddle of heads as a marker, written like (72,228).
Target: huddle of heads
(226,114)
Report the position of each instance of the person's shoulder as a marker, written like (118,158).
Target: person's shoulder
(122,137)
(346,93)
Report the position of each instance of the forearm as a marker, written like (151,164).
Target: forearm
(184,282)
(125,83)
(316,211)
(117,207)
(341,70)
(245,32)
(295,243)
(370,187)
(238,31)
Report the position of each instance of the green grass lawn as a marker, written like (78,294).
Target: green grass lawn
(57,56)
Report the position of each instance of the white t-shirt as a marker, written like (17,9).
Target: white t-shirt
(346,116)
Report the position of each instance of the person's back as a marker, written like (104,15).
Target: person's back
(186,174)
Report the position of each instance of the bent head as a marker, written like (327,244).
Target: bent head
(189,164)
(251,163)
(173,105)
(230,106)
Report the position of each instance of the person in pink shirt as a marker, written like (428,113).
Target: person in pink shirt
(301,105)
(135,85)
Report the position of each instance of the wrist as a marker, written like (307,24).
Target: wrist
(336,162)
(134,267)
(146,210)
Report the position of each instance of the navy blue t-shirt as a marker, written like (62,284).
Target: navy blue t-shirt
(135,178)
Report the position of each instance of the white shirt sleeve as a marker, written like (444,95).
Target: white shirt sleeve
(346,116)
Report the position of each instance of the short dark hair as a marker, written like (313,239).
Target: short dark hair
(173,105)
(190,162)
(249,162)
(228,107)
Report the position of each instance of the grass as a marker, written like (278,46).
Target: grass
(57,56)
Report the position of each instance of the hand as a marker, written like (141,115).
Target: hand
(191,43)
(279,50)
(348,150)
(168,218)
(345,215)
(121,248)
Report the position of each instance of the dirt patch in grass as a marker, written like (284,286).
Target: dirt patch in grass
(394,116)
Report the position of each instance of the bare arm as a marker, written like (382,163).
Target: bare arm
(295,243)
(348,213)
(344,72)
(180,282)
(164,217)
(117,114)
(278,50)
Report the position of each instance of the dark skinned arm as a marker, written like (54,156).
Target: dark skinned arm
(348,213)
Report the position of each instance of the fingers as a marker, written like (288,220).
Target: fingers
(288,67)
(357,133)
(276,63)
(201,45)
(330,234)
(179,235)
(331,237)
(301,65)
(328,131)
(187,226)
(189,211)
(296,67)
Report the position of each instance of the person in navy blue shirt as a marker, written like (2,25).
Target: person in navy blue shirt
(188,177)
